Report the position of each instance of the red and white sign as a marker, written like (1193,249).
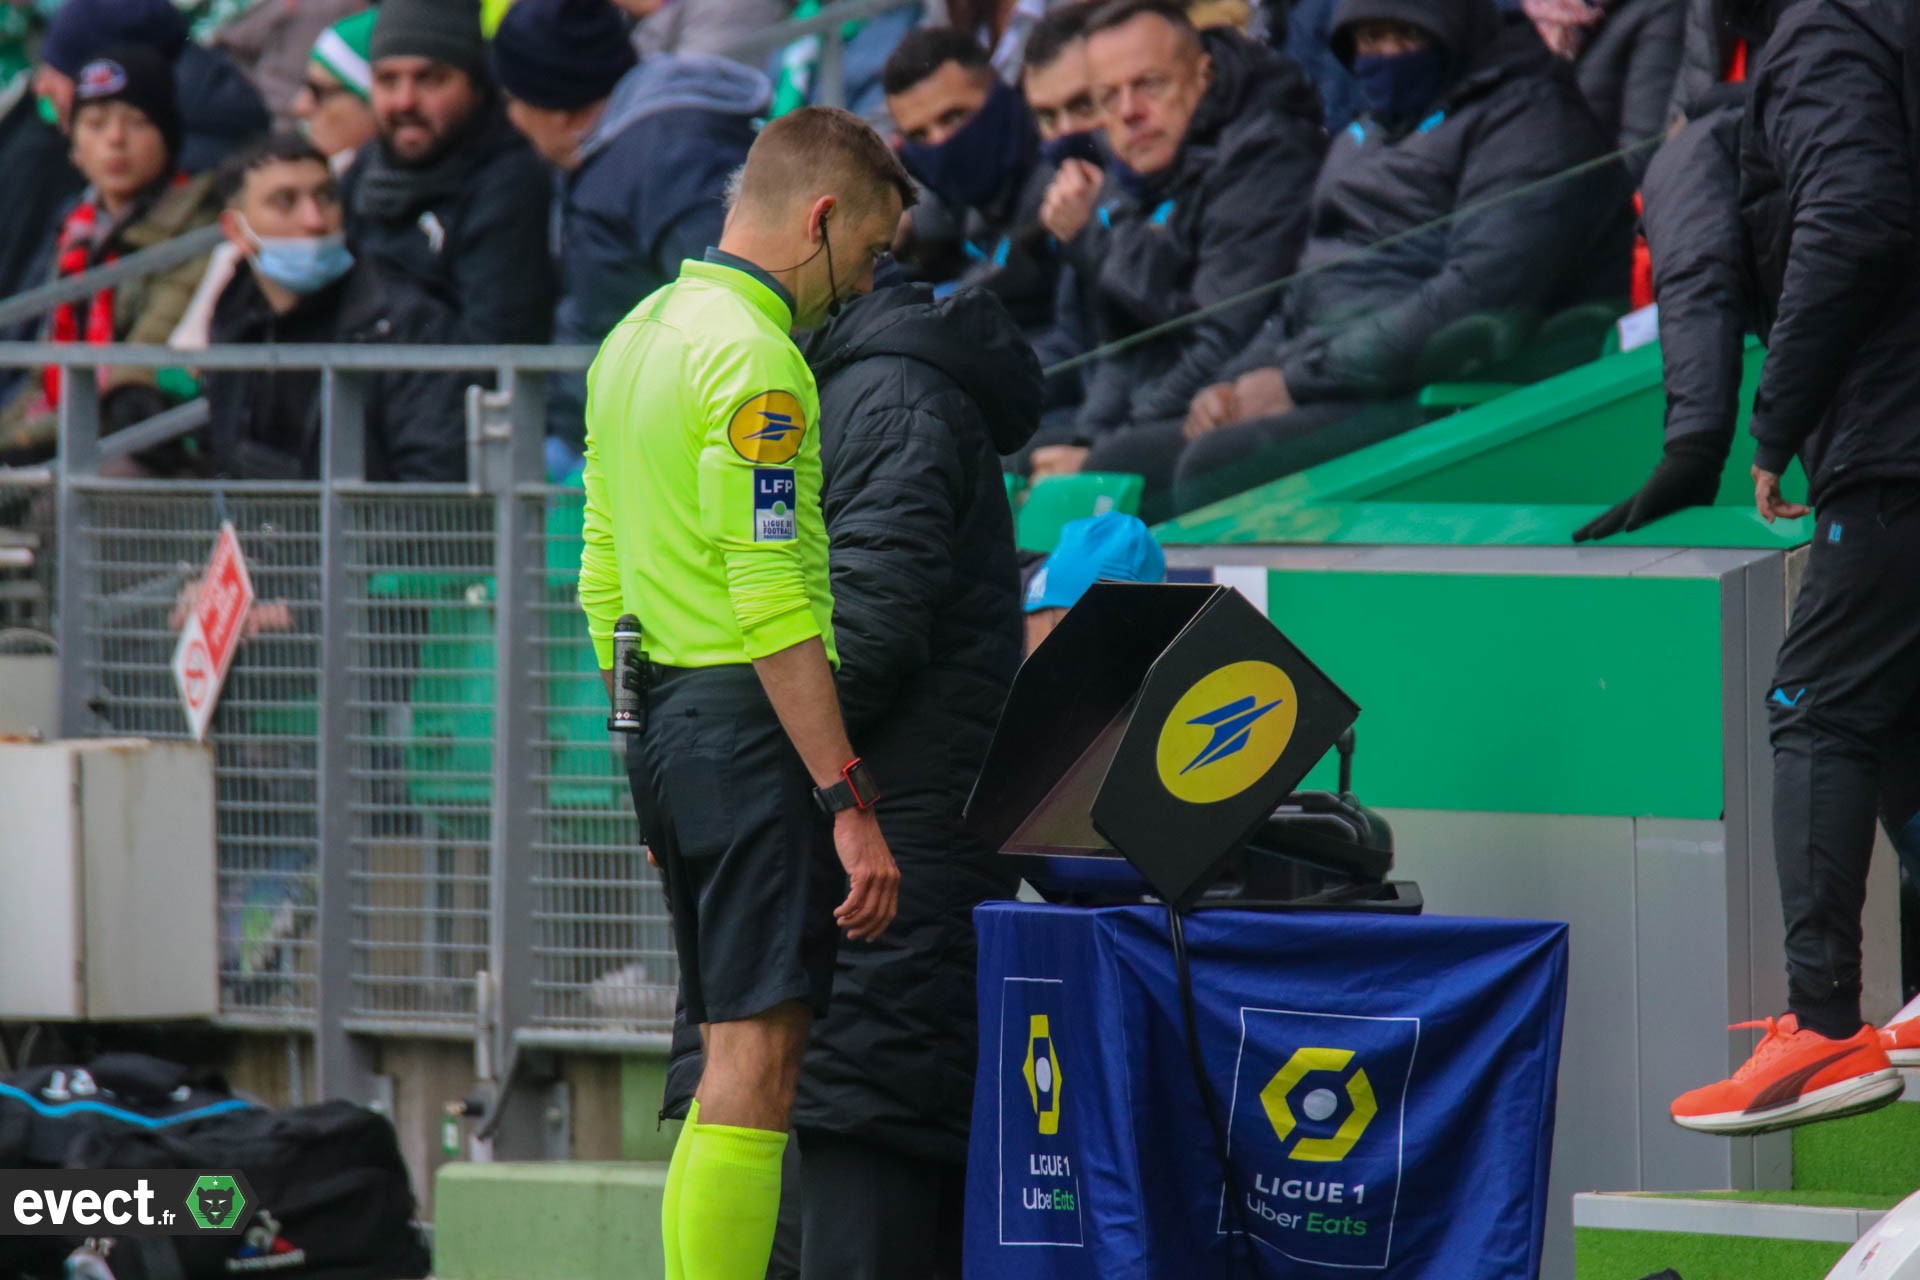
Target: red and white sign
(212,631)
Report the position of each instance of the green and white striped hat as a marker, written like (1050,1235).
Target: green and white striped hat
(342,49)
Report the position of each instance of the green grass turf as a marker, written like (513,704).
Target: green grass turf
(1811,1199)
(1631,1255)
(1878,1153)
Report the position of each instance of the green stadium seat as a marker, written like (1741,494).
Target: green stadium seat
(1016,485)
(1054,501)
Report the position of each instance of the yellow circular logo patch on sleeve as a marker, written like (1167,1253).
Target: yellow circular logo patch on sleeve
(1226,732)
(768,428)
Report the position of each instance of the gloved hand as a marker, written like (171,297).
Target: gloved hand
(1688,476)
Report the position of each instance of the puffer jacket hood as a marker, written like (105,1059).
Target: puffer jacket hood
(671,82)
(968,336)
(1468,28)
(1252,84)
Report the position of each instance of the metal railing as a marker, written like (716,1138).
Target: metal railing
(423,825)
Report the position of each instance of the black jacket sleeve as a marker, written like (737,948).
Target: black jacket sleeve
(895,488)
(503,274)
(1520,219)
(1692,220)
(1250,235)
(1652,67)
(1827,107)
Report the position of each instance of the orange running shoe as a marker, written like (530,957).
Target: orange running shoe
(1901,1040)
(1794,1077)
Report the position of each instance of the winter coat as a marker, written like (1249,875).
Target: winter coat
(1692,221)
(145,311)
(918,401)
(1306,38)
(265,424)
(1356,325)
(650,190)
(472,228)
(1227,216)
(42,182)
(1827,196)
(1627,72)
(1722,38)
(220,110)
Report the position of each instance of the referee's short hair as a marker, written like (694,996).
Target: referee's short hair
(818,151)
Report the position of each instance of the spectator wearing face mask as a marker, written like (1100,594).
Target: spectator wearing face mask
(126,141)
(1058,87)
(966,136)
(450,193)
(1214,142)
(301,284)
(1470,131)
(643,149)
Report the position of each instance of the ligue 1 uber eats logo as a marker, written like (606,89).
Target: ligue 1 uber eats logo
(1226,732)
(1041,1071)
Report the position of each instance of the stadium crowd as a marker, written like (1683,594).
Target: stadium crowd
(1446,185)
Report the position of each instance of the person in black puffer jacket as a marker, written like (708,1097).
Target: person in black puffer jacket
(1452,196)
(1186,216)
(1626,54)
(919,400)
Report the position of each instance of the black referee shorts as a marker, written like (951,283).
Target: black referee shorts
(748,859)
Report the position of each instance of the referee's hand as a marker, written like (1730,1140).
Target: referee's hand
(873,894)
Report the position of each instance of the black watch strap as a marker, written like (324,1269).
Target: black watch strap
(855,790)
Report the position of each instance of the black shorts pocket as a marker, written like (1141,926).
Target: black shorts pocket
(694,790)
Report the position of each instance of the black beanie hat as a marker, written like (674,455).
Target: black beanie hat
(137,76)
(561,54)
(444,30)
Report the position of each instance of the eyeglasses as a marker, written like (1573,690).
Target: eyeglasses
(321,93)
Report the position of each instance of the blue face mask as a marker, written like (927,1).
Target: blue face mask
(1084,145)
(973,166)
(1401,87)
(301,264)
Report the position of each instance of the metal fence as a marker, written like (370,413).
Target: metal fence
(423,824)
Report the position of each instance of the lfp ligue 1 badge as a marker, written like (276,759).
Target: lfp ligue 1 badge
(1039,1177)
(1319,1104)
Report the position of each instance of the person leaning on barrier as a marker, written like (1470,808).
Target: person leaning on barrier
(1214,142)
(1450,196)
(449,192)
(643,152)
(300,284)
(126,140)
(703,519)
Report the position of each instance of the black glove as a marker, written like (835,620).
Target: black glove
(1688,476)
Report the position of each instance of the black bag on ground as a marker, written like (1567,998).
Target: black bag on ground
(331,1196)
(45,1111)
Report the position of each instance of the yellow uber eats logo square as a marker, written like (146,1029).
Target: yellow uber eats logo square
(767,429)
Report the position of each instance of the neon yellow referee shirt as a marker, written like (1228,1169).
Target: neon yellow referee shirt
(703,475)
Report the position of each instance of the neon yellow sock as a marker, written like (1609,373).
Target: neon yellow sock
(729,1202)
(670,1202)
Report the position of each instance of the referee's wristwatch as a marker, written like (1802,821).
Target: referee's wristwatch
(855,790)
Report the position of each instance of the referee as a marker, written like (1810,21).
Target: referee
(703,520)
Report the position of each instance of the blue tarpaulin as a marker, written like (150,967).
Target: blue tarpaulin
(1386,1085)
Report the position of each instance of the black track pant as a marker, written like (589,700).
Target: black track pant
(1845,712)
(869,1213)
